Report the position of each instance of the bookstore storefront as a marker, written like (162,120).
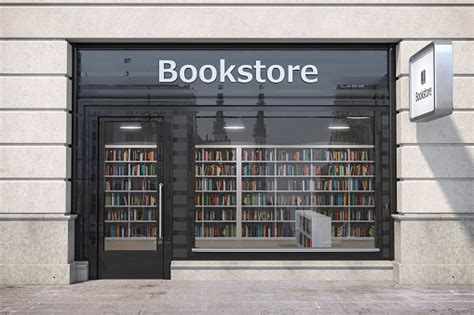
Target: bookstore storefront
(231,153)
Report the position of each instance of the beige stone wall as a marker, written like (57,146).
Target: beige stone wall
(434,230)
(36,228)
(435,200)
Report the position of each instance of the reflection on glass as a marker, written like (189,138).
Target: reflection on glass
(285,180)
(130,186)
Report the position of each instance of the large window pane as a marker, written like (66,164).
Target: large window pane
(276,179)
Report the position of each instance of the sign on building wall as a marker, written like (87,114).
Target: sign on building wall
(431,82)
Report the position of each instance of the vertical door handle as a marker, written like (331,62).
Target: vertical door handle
(160,211)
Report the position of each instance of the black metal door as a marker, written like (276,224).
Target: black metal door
(131,199)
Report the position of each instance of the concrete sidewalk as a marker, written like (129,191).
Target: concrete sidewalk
(236,297)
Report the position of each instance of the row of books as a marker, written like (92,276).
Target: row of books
(343,230)
(262,215)
(143,214)
(227,230)
(258,184)
(295,184)
(341,155)
(305,225)
(210,184)
(143,200)
(129,155)
(117,184)
(361,169)
(341,199)
(344,199)
(116,199)
(258,154)
(268,170)
(308,184)
(304,241)
(215,215)
(264,154)
(134,170)
(340,215)
(293,199)
(215,169)
(343,184)
(344,169)
(215,155)
(142,155)
(258,199)
(142,169)
(258,169)
(258,215)
(132,215)
(116,169)
(216,200)
(116,215)
(254,229)
(290,169)
(294,155)
(362,215)
(123,230)
(128,184)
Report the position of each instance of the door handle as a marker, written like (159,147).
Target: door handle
(160,211)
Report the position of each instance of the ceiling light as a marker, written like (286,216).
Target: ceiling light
(338,124)
(234,124)
(234,127)
(358,117)
(131,126)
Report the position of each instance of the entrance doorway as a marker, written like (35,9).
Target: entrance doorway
(132,208)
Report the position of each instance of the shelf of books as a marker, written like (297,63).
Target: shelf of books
(266,184)
(216,192)
(130,192)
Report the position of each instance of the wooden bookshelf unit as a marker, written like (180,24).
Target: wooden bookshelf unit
(130,197)
(266,184)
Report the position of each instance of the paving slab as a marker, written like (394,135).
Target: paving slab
(236,297)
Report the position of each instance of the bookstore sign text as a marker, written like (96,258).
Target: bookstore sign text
(169,71)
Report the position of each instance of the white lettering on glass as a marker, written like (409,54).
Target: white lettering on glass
(169,71)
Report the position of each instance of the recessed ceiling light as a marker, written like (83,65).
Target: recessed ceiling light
(338,127)
(338,124)
(234,124)
(234,127)
(358,117)
(131,126)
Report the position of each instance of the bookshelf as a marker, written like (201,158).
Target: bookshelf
(216,192)
(130,193)
(272,182)
(312,229)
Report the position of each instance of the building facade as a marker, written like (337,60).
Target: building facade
(75,200)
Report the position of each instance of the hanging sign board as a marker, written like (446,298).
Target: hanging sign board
(431,82)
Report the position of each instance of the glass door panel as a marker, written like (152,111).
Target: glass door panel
(131,168)
(130,186)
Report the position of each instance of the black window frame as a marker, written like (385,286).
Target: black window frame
(83,250)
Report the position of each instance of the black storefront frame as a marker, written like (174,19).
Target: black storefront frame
(83,251)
